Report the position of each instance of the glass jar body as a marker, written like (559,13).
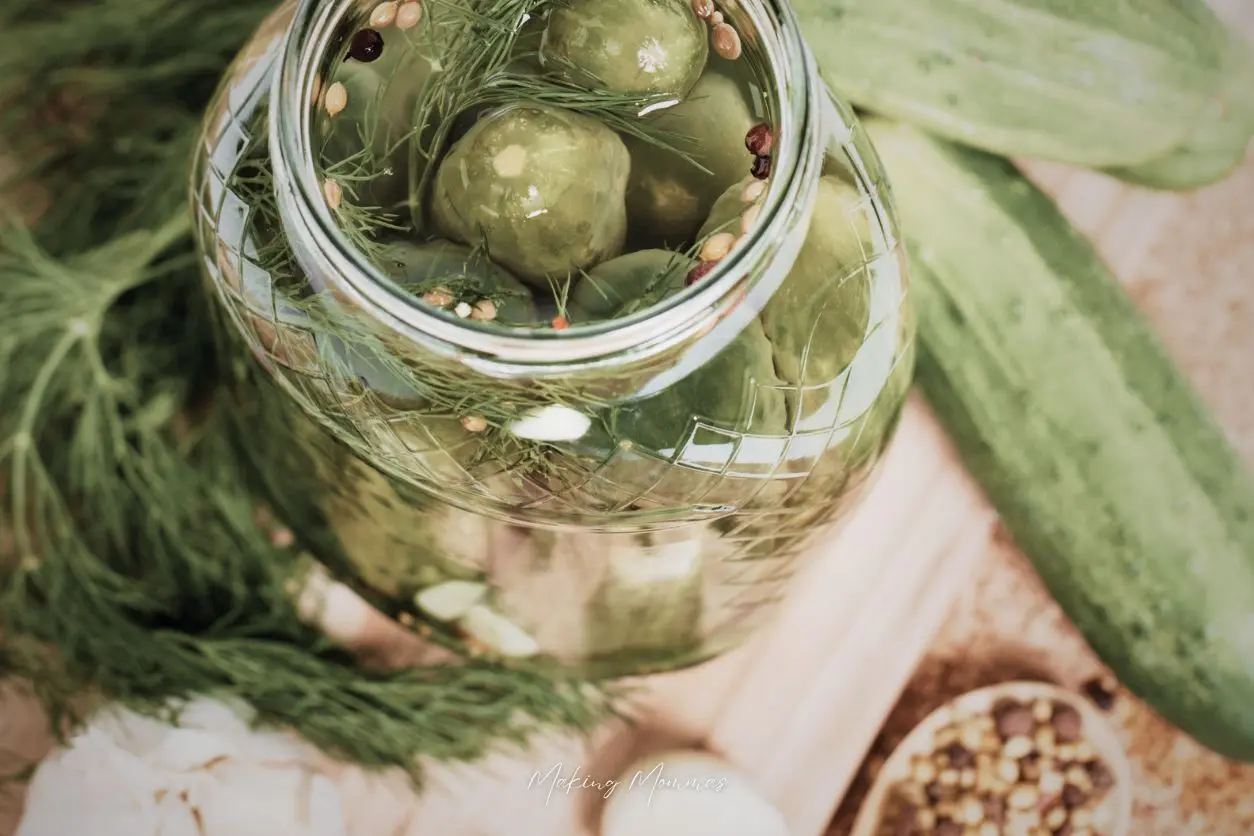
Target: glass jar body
(637,514)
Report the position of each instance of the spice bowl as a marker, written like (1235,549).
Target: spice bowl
(1021,758)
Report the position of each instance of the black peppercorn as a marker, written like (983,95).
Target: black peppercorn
(1101,692)
(367,46)
(761,167)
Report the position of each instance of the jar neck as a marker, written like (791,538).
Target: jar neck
(737,289)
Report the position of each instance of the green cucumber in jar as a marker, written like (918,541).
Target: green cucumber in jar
(627,46)
(670,194)
(1105,465)
(542,189)
(651,599)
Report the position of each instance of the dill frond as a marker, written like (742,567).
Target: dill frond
(132,565)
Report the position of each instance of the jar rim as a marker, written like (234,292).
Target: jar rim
(327,249)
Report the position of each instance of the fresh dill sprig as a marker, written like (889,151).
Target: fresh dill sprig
(132,565)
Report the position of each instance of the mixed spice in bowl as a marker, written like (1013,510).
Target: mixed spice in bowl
(1016,759)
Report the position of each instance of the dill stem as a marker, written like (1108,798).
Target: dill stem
(23,442)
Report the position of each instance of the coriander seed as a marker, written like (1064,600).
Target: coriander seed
(726,41)
(484,311)
(336,98)
(717,246)
(1051,782)
(1056,818)
(334,193)
(384,14)
(1018,747)
(716,18)
(1022,797)
(408,15)
(754,189)
(474,423)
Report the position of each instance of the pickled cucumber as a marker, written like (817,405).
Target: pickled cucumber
(668,196)
(543,189)
(736,392)
(651,598)
(630,281)
(627,46)
(820,317)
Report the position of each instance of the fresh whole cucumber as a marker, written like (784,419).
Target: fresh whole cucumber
(1104,464)
(1100,83)
(1220,139)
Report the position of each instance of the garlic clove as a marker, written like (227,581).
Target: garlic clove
(451,600)
(498,633)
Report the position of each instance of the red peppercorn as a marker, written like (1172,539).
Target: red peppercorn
(760,140)
(699,272)
(761,167)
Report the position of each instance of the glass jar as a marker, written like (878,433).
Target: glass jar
(615,496)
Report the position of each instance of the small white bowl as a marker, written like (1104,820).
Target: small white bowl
(1097,730)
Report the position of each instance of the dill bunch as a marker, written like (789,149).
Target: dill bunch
(132,563)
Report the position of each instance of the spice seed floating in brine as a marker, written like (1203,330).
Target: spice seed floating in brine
(628,46)
(543,189)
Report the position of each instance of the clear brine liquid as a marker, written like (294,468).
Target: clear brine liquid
(571,162)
